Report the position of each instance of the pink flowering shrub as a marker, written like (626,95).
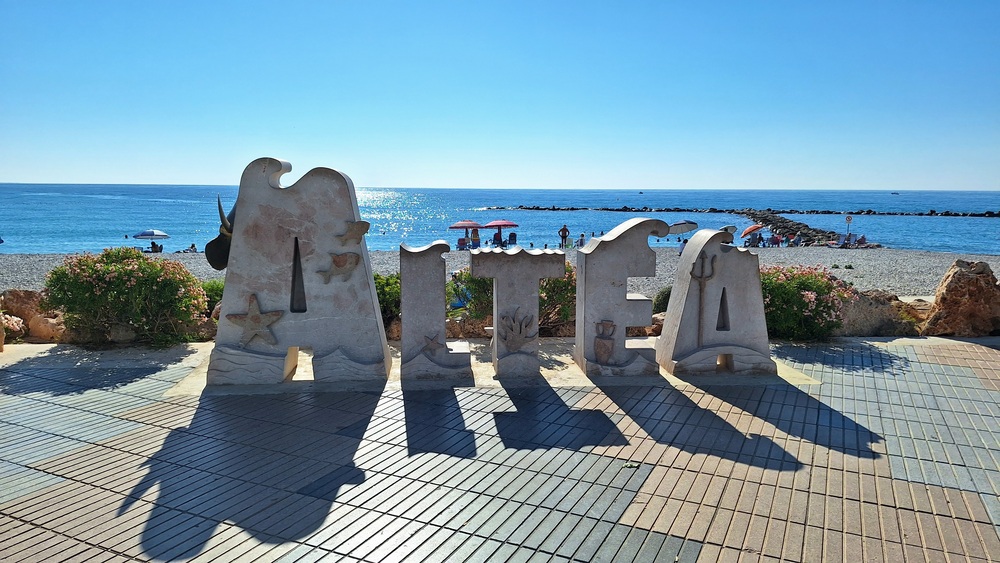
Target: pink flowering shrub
(803,303)
(156,299)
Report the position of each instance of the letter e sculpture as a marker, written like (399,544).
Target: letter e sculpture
(604,308)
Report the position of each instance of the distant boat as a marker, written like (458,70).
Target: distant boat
(893,193)
(640,192)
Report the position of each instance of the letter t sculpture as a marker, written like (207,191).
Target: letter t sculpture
(516,274)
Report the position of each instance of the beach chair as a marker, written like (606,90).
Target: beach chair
(511,239)
(462,244)
(475,244)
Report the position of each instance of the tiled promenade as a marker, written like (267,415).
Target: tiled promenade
(893,454)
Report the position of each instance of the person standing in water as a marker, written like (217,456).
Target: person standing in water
(564,236)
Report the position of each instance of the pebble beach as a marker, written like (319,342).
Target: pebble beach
(902,272)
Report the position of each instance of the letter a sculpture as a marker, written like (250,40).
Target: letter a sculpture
(715,320)
(298,276)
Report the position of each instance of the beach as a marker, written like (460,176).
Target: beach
(902,272)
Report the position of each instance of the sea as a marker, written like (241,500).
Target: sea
(77,218)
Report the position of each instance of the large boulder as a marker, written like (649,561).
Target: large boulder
(875,313)
(21,303)
(967,302)
(47,327)
(14,327)
(919,310)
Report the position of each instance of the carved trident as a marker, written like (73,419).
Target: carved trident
(702,278)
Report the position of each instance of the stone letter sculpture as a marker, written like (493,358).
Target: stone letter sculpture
(715,319)
(604,308)
(426,355)
(298,276)
(516,274)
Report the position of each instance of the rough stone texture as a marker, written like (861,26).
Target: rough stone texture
(15,327)
(466,327)
(967,302)
(202,329)
(48,327)
(875,313)
(715,319)
(121,334)
(516,274)
(298,276)
(654,329)
(425,352)
(395,330)
(21,303)
(604,309)
(918,309)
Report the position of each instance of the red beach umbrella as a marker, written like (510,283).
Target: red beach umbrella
(751,229)
(466,224)
(500,224)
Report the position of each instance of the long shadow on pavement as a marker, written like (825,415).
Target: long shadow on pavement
(543,420)
(70,370)
(798,414)
(671,417)
(270,464)
(844,357)
(434,423)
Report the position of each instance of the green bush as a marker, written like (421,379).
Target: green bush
(157,299)
(802,303)
(213,292)
(475,293)
(557,299)
(389,296)
(556,296)
(662,299)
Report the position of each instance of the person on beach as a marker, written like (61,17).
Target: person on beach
(564,236)
(475,238)
(683,245)
(580,243)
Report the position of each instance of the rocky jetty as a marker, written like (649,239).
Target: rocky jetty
(646,209)
(783,226)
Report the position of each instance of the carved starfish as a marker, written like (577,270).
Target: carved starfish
(340,265)
(255,323)
(355,231)
(432,345)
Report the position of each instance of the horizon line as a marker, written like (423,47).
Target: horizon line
(640,190)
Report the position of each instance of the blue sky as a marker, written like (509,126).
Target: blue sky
(640,95)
